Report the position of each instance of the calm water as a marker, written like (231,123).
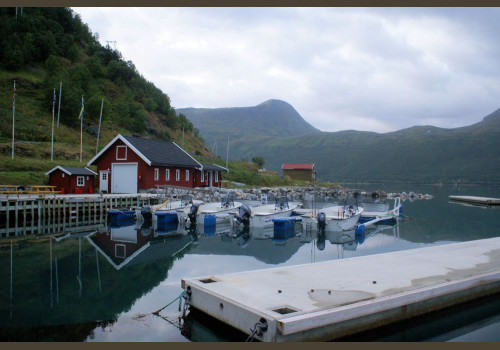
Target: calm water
(105,285)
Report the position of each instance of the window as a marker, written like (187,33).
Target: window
(104,176)
(80,180)
(157,174)
(177,175)
(187,175)
(167,174)
(121,152)
(216,176)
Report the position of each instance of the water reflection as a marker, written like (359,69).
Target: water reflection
(83,283)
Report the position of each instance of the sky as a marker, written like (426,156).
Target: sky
(366,69)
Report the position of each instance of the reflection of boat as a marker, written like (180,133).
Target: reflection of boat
(261,216)
(162,228)
(335,218)
(211,230)
(121,214)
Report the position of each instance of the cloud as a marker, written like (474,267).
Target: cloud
(374,69)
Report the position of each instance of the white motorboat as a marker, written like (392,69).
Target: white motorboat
(381,213)
(262,216)
(196,213)
(184,202)
(335,218)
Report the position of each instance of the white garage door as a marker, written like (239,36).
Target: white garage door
(124,178)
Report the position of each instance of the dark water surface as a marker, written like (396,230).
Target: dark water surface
(105,285)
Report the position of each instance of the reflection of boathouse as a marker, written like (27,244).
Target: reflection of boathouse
(132,245)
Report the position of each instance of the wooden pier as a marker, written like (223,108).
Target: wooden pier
(329,300)
(28,215)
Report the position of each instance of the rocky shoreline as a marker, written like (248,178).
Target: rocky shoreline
(292,193)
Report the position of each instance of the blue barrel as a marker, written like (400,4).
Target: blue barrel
(209,220)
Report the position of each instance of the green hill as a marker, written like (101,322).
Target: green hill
(47,46)
(424,154)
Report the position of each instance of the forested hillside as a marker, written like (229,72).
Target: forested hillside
(48,46)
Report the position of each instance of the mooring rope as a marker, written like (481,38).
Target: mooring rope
(180,303)
(259,329)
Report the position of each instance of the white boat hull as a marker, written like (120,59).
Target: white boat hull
(336,220)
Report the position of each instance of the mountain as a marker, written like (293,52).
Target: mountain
(273,118)
(424,154)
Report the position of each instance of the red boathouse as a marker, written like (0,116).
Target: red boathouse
(132,164)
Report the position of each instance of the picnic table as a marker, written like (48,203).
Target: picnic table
(11,189)
(42,190)
(31,190)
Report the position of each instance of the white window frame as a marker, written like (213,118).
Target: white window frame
(216,176)
(126,149)
(157,174)
(167,174)
(82,178)
(187,174)
(121,246)
(177,175)
(202,176)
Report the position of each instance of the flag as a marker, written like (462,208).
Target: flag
(81,112)
(54,102)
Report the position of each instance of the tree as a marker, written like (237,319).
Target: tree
(259,161)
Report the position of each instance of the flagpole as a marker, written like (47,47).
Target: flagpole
(53,106)
(99,131)
(81,132)
(13,118)
(227,152)
(59,108)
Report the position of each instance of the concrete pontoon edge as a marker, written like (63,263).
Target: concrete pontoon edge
(327,300)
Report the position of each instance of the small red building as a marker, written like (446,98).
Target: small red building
(304,172)
(132,164)
(72,180)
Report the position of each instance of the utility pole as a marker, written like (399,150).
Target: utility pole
(99,131)
(59,108)
(111,41)
(227,152)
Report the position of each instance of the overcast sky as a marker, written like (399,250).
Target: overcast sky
(369,69)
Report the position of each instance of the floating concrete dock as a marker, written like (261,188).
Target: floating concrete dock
(475,200)
(328,300)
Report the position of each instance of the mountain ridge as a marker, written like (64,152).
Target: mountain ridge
(421,153)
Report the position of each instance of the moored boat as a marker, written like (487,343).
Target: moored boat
(335,218)
(262,216)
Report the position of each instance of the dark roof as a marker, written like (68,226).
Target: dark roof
(73,170)
(162,152)
(213,167)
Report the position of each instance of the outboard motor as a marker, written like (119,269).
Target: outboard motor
(243,216)
(192,212)
(321,221)
(226,203)
(147,213)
